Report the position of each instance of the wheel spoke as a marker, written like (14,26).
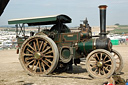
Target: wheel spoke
(99,73)
(107,61)
(36,65)
(94,66)
(49,52)
(28,54)
(48,56)
(30,51)
(33,64)
(43,66)
(37,43)
(100,56)
(29,58)
(40,67)
(48,61)
(35,46)
(93,62)
(30,63)
(31,47)
(97,56)
(40,46)
(46,49)
(44,45)
(106,69)
(93,59)
(104,58)
(95,70)
(103,71)
(108,65)
(45,63)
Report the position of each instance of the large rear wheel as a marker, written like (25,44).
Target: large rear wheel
(100,64)
(39,55)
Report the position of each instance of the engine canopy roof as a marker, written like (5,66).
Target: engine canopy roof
(44,20)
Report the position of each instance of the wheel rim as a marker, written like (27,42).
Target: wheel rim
(100,64)
(119,61)
(38,55)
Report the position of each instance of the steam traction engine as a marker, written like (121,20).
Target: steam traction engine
(57,48)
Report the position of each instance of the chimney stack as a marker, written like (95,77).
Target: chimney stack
(102,9)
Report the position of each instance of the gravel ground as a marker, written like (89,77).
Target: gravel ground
(11,72)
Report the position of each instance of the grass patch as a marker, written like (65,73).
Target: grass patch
(119,31)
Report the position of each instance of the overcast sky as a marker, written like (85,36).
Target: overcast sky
(117,11)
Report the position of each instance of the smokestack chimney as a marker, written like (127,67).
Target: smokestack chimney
(102,9)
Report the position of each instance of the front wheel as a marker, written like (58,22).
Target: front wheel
(100,64)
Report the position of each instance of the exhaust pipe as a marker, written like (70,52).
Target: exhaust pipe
(103,42)
(102,9)
(99,43)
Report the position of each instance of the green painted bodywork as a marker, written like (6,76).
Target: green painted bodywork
(86,46)
(70,37)
(67,38)
(66,53)
(85,35)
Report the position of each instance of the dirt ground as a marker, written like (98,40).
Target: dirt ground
(11,72)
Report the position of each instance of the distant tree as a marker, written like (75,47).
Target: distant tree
(117,24)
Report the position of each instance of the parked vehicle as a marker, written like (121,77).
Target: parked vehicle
(1,43)
(7,44)
(57,48)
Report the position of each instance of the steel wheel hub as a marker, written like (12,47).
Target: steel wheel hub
(100,64)
(37,55)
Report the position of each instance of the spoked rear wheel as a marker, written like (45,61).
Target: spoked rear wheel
(39,55)
(100,64)
(119,61)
